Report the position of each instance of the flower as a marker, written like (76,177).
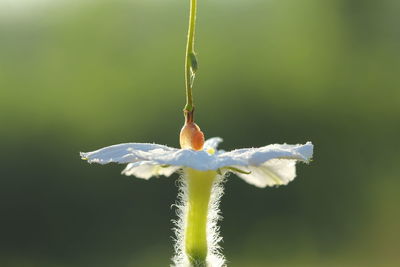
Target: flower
(264,166)
(200,188)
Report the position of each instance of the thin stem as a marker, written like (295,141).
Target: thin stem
(190,59)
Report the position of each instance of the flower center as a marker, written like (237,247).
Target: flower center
(211,151)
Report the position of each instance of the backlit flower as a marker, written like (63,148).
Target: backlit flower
(264,166)
(203,168)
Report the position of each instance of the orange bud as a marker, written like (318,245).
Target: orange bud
(191,136)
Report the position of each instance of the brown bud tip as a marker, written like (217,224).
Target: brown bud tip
(191,136)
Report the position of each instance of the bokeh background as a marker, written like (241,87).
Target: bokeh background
(80,75)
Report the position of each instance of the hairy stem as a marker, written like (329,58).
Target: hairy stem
(197,233)
(199,192)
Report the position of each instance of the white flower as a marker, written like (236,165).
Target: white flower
(265,166)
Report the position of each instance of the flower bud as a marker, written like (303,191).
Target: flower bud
(191,136)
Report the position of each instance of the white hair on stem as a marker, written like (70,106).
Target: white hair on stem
(215,258)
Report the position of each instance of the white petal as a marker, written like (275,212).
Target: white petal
(270,165)
(272,172)
(152,154)
(146,170)
(212,143)
(257,156)
(125,153)
(203,161)
(199,160)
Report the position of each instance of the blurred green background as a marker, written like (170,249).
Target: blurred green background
(77,76)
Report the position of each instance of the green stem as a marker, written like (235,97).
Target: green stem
(190,59)
(199,191)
